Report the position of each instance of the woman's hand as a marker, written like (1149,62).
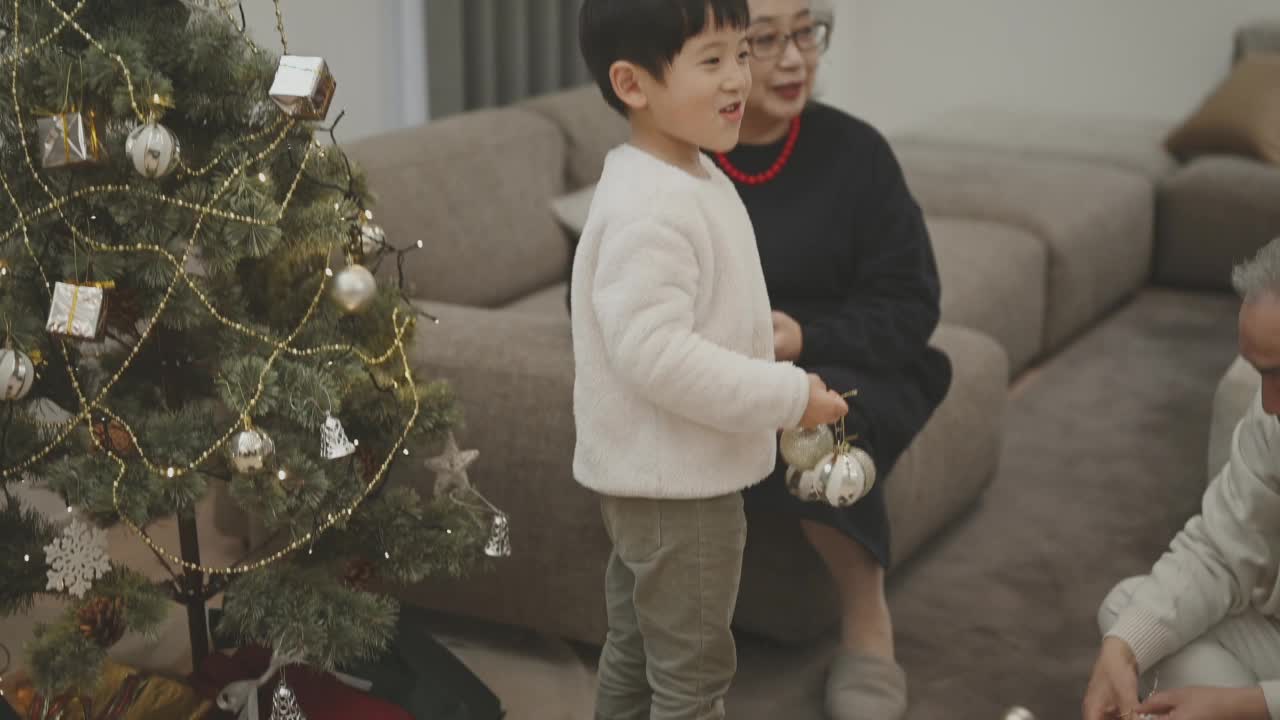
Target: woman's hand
(788,338)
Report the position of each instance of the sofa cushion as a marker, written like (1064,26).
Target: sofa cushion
(476,189)
(1096,221)
(1127,143)
(591,129)
(1253,38)
(549,301)
(993,280)
(786,593)
(1216,212)
(1241,117)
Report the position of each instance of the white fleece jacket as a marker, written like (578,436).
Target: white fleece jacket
(1223,562)
(676,392)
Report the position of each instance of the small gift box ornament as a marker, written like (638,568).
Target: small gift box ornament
(303,87)
(78,311)
(69,139)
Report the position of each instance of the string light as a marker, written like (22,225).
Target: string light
(56,204)
(26,557)
(282,474)
(421,244)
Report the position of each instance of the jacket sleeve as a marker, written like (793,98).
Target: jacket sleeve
(1222,562)
(645,284)
(893,305)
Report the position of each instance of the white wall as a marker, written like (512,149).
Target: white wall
(375,48)
(898,62)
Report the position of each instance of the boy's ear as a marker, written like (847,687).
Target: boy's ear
(627,81)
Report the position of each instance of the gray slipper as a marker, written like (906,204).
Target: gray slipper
(865,687)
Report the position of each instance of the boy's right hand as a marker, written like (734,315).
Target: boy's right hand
(825,406)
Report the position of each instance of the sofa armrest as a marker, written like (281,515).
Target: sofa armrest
(1215,212)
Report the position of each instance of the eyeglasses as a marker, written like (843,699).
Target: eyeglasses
(813,39)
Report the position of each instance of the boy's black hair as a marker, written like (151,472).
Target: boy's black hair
(649,33)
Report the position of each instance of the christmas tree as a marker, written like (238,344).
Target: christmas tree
(187,298)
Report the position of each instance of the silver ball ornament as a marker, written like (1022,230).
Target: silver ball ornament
(804,448)
(847,477)
(154,150)
(354,288)
(250,450)
(804,484)
(372,238)
(17,373)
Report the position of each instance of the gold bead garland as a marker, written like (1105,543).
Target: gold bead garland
(279,347)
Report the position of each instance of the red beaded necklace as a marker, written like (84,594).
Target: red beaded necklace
(760,178)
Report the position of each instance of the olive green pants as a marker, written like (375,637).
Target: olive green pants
(671,587)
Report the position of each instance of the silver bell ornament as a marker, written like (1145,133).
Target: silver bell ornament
(154,150)
(354,288)
(804,448)
(499,544)
(334,444)
(284,703)
(250,449)
(17,373)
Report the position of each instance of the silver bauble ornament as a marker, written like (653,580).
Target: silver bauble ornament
(804,448)
(372,238)
(804,484)
(354,288)
(840,479)
(843,478)
(154,150)
(250,450)
(16,374)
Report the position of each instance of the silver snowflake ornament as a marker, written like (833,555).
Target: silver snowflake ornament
(77,558)
(451,467)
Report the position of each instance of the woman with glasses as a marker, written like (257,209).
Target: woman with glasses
(852,279)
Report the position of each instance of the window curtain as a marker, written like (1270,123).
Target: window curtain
(487,53)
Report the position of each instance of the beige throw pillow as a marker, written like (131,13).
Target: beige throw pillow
(1241,117)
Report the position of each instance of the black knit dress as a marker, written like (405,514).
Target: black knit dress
(846,253)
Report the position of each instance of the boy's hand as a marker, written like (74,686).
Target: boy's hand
(825,406)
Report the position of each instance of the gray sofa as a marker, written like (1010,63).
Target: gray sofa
(1033,248)
(1211,212)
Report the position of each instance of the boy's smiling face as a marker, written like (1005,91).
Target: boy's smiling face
(701,98)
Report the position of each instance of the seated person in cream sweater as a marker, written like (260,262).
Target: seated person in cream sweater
(677,396)
(1204,625)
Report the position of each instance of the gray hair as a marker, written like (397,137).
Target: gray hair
(1260,274)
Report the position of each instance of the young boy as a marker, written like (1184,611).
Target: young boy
(677,397)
